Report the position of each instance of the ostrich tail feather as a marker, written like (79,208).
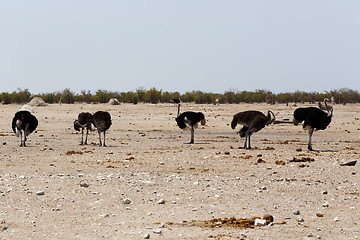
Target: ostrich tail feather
(17,133)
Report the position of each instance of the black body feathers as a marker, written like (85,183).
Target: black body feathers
(190,119)
(24,121)
(312,117)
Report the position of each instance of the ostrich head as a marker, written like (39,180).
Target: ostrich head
(329,112)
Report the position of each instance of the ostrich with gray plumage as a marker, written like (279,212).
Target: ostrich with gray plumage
(102,122)
(24,123)
(189,120)
(313,118)
(85,120)
(252,121)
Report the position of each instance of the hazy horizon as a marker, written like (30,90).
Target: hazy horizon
(211,46)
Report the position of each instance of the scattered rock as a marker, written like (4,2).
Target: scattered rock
(260,161)
(161,201)
(268,218)
(40,193)
(157,231)
(260,222)
(297,212)
(279,162)
(126,201)
(146,236)
(348,163)
(84,184)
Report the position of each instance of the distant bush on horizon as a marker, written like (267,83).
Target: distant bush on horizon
(153,95)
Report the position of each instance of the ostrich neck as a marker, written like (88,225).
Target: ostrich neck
(178,113)
(327,108)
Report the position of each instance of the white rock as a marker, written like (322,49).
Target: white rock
(310,235)
(146,236)
(161,201)
(126,201)
(301,219)
(296,212)
(40,193)
(157,231)
(260,222)
(337,219)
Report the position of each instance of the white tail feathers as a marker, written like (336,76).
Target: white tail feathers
(17,133)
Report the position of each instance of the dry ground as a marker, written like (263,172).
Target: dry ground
(146,160)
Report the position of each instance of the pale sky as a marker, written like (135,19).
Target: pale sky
(207,45)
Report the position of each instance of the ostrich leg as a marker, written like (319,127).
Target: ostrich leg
(104,139)
(99,138)
(21,140)
(82,136)
(87,132)
(192,135)
(309,143)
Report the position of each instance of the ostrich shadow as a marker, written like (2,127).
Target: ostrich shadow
(196,143)
(324,151)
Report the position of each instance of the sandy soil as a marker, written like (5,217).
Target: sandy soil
(147,160)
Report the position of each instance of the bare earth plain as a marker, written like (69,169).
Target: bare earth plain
(147,160)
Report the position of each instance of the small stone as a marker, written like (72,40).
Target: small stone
(310,235)
(301,219)
(297,212)
(157,231)
(85,185)
(40,193)
(126,201)
(348,163)
(324,205)
(260,222)
(161,201)
(268,218)
(337,219)
(146,236)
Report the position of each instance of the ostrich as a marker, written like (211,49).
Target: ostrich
(102,121)
(24,121)
(252,121)
(84,121)
(191,120)
(313,118)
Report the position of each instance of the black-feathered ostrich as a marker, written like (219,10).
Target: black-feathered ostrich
(24,121)
(102,121)
(85,120)
(189,119)
(313,118)
(252,121)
